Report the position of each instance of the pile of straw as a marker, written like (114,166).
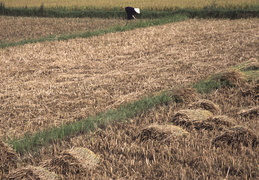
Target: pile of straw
(216,122)
(231,78)
(236,136)
(185,94)
(73,161)
(8,158)
(188,116)
(33,173)
(162,132)
(207,105)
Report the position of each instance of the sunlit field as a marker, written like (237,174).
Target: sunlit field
(151,4)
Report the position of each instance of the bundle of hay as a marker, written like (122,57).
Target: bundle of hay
(8,158)
(230,78)
(73,161)
(236,136)
(216,122)
(162,132)
(207,105)
(32,172)
(184,94)
(188,116)
(249,112)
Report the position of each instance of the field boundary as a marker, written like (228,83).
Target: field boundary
(231,78)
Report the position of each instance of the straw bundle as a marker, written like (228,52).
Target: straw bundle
(184,94)
(231,78)
(216,122)
(8,158)
(207,105)
(162,132)
(33,173)
(236,136)
(188,116)
(254,111)
(73,161)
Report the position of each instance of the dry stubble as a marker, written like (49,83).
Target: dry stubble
(51,83)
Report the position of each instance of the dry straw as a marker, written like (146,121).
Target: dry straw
(231,78)
(185,94)
(254,111)
(162,132)
(8,158)
(52,83)
(32,172)
(237,136)
(187,117)
(220,122)
(73,161)
(207,105)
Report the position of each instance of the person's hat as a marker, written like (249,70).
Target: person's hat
(137,10)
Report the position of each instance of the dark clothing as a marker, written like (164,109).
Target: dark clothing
(130,12)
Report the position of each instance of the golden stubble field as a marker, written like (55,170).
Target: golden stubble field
(14,29)
(51,83)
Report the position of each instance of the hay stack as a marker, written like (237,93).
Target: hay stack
(185,94)
(231,78)
(162,132)
(32,172)
(188,116)
(207,105)
(236,136)
(8,158)
(249,112)
(73,161)
(216,122)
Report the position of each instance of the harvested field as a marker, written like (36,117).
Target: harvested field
(194,157)
(8,159)
(31,172)
(52,83)
(14,29)
(236,136)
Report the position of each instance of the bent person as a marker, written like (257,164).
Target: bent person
(131,12)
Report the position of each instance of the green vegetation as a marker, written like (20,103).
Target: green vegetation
(31,141)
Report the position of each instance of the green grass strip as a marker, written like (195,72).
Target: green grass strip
(41,138)
(129,26)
